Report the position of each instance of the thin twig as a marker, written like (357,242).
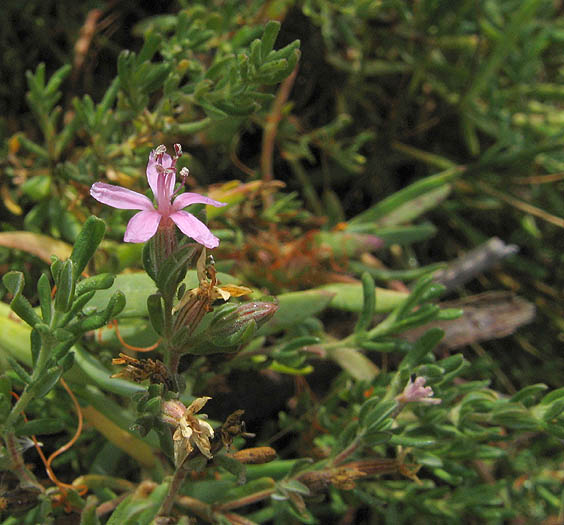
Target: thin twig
(474,262)
(521,205)
(271,128)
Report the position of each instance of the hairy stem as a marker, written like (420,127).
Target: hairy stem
(176,483)
(17,464)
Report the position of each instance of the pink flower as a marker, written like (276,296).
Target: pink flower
(417,392)
(161,174)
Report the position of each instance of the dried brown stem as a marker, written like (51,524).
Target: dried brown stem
(474,262)
(271,129)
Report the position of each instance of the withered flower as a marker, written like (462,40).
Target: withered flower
(190,429)
(137,370)
(234,426)
(197,302)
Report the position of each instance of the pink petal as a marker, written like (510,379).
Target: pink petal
(142,226)
(185,199)
(195,228)
(119,197)
(153,173)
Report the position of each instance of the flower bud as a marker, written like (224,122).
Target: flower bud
(239,324)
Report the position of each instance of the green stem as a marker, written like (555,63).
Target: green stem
(19,407)
(344,454)
(173,489)
(171,356)
(17,464)
(395,387)
(27,395)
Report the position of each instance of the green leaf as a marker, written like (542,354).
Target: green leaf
(20,372)
(415,442)
(5,386)
(422,347)
(232,466)
(149,259)
(100,375)
(285,52)
(293,485)
(35,344)
(116,305)
(374,411)
(553,410)
(211,110)
(86,244)
(295,307)
(38,187)
(44,294)
(40,426)
(356,364)
(290,370)
(268,38)
(527,393)
(154,502)
(385,275)
(150,47)
(453,366)
(555,428)
(47,381)
(156,312)
(349,297)
(174,268)
(102,281)
(346,435)
(369,301)
(14,282)
(68,361)
(373,438)
(518,418)
(298,343)
(389,346)
(88,515)
(65,287)
(76,307)
(56,79)
(248,489)
(553,396)
(410,202)
(92,322)
(255,54)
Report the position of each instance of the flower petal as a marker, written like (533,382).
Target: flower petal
(142,226)
(195,228)
(119,197)
(153,172)
(185,199)
(197,404)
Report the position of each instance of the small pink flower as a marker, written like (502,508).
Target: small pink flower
(416,392)
(161,174)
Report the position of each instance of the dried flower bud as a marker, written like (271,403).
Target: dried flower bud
(233,426)
(138,370)
(255,455)
(197,302)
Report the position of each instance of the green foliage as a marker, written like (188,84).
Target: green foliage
(406,134)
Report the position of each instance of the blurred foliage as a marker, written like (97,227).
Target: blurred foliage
(347,137)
